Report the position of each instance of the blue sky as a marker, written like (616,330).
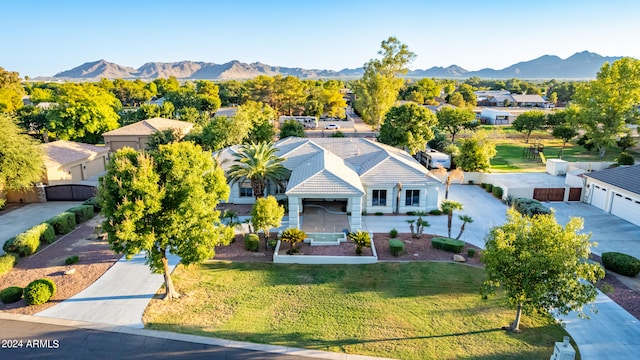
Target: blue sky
(41,38)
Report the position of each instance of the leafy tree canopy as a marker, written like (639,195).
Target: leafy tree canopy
(409,126)
(291,128)
(454,120)
(11,92)
(476,152)
(529,121)
(21,159)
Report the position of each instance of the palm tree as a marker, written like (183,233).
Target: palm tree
(447,207)
(465,219)
(455,175)
(259,164)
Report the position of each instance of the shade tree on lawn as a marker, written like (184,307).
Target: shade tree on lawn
(541,265)
(266,214)
(164,202)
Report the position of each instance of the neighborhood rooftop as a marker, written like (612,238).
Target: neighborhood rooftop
(149,126)
(627,177)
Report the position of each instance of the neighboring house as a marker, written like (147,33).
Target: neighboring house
(157,102)
(483,96)
(365,175)
(226,111)
(69,162)
(528,100)
(616,191)
(136,135)
(496,117)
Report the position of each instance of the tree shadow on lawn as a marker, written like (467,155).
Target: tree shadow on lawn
(391,279)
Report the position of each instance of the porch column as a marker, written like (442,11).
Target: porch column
(294,212)
(355,223)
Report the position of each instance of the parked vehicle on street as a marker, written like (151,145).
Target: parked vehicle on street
(332,127)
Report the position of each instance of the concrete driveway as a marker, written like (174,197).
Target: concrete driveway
(19,220)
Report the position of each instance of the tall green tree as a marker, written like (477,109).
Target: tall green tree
(259,164)
(454,120)
(291,128)
(21,159)
(541,265)
(529,121)
(610,102)
(162,203)
(11,92)
(259,117)
(84,112)
(476,152)
(408,125)
(378,89)
(266,214)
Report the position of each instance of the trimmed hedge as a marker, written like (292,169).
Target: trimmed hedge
(435,212)
(37,293)
(251,242)
(27,243)
(82,213)
(621,263)
(9,246)
(396,246)
(497,192)
(49,283)
(63,223)
(7,261)
(488,187)
(530,207)
(393,233)
(447,244)
(93,201)
(11,294)
(72,260)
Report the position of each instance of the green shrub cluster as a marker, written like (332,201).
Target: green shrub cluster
(11,294)
(471,252)
(93,201)
(497,192)
(251,242)
(396,246)
(393,233)
(63,223)
(379,213)
(625,159)
(483,185)
(530,207)
(27,243)
(82,213)
(411,213)
(447,244)
(39,291)
(7,262)
(621,263)
(488,187)
(435,212)
(9,246)
(72,260)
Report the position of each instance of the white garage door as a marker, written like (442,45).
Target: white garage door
(626,208)
(598,196)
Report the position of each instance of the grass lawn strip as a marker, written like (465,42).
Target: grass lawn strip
(417,310)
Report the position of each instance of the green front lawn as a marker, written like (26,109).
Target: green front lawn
(419,310)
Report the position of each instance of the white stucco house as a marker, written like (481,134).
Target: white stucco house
(616,191)
(368,177)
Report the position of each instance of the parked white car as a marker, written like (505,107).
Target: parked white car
(332,127)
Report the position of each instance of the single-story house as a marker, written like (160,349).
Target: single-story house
(366,176)
(528,100)
(616,191)
(496,117)
(137,134)
(69,162)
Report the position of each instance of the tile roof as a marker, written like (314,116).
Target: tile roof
(149,126)
(624,177)
(62,152)
(527,98)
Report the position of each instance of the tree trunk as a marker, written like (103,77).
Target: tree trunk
(446,191)
(449,218)
(171,292)
(602,150)
(515,327)
(461,230)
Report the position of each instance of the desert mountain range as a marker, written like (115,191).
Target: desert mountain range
(582,65)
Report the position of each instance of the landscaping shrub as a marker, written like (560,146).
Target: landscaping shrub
(11,294)
(47,233)
(488,187)
(72,260)
(497,192)
(471,252)
(396,246)
(447,244)
(49,283)
(7,261)
(3,202)
(625,159)
(393,233)
(435,212)
(362,239)
(411,213)
(93,201)
(9,246)
(27,243)
(63,223)
(379,213)
(251,242)
(271,244)
(37,293)
(483,185)
(530,207)
(82,213)
(621,263)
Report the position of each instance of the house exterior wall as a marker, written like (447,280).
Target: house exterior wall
(611,191)
(115,142)
(76,171)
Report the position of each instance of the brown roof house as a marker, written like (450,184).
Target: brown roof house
(69,162)
(136,135)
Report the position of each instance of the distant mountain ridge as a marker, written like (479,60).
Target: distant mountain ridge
(582,65)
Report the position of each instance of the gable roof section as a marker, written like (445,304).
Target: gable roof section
(149,126)
(324,173)
(627,177)
(62,152)
(527,98)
